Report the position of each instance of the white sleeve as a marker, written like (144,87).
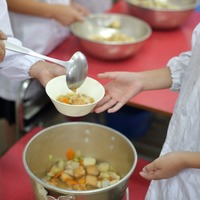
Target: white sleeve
(179,64)
(15,65)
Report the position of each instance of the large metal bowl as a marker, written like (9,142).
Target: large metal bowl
(101,142)
(95,24)
(160,17)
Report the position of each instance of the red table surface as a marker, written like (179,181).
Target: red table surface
(15,183)
(159,48)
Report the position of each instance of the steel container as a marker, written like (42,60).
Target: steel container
(163,18)
(91,139)
(109,50)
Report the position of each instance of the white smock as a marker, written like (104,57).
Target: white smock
(15,67)
(184,128)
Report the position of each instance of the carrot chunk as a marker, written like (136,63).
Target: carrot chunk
(70,154)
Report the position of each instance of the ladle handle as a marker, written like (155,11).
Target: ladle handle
(20,49)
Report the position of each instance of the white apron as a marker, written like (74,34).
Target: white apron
(183,135)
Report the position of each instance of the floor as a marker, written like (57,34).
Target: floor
(148,145)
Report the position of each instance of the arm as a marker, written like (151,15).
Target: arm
(170,165)
(125,85)
(2,46)
(20,67)
(65,14)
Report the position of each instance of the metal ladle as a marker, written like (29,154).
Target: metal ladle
(76,67)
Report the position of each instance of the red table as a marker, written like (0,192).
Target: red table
(159,48)
(15,183)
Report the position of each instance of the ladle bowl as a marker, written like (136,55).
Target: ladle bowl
(76,67)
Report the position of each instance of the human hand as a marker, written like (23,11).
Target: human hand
(164,167)
(122,87)
(68,14)
(44,71)
(2,46)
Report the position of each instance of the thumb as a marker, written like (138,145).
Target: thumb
(108,75)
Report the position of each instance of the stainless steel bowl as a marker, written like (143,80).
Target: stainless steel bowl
(91,139)
(163,18)
(95,24)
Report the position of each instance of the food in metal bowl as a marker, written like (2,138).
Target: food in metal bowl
(79,172)
(111,36)
(115,37)
(102,143)
(162,14)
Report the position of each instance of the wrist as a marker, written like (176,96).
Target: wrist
(189,159)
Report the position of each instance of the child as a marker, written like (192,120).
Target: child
(42,25)
(18,67)
(175,174)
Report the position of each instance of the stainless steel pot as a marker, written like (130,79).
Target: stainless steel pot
(91,139)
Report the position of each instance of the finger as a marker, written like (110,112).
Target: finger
(105,99)
(148,176)
(56,70)
(105,106)
(115,108)
(108,75)
(148,168)
(2,35)
(2,54)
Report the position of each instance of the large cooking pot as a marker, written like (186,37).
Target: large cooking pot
(91,139)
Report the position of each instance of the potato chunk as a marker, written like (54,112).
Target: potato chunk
(89,161)
(92,170)
(91,180)
(79,172)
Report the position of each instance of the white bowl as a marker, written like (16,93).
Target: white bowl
(57,86)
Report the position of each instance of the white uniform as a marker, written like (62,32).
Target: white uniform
(184,128)
(15,67)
